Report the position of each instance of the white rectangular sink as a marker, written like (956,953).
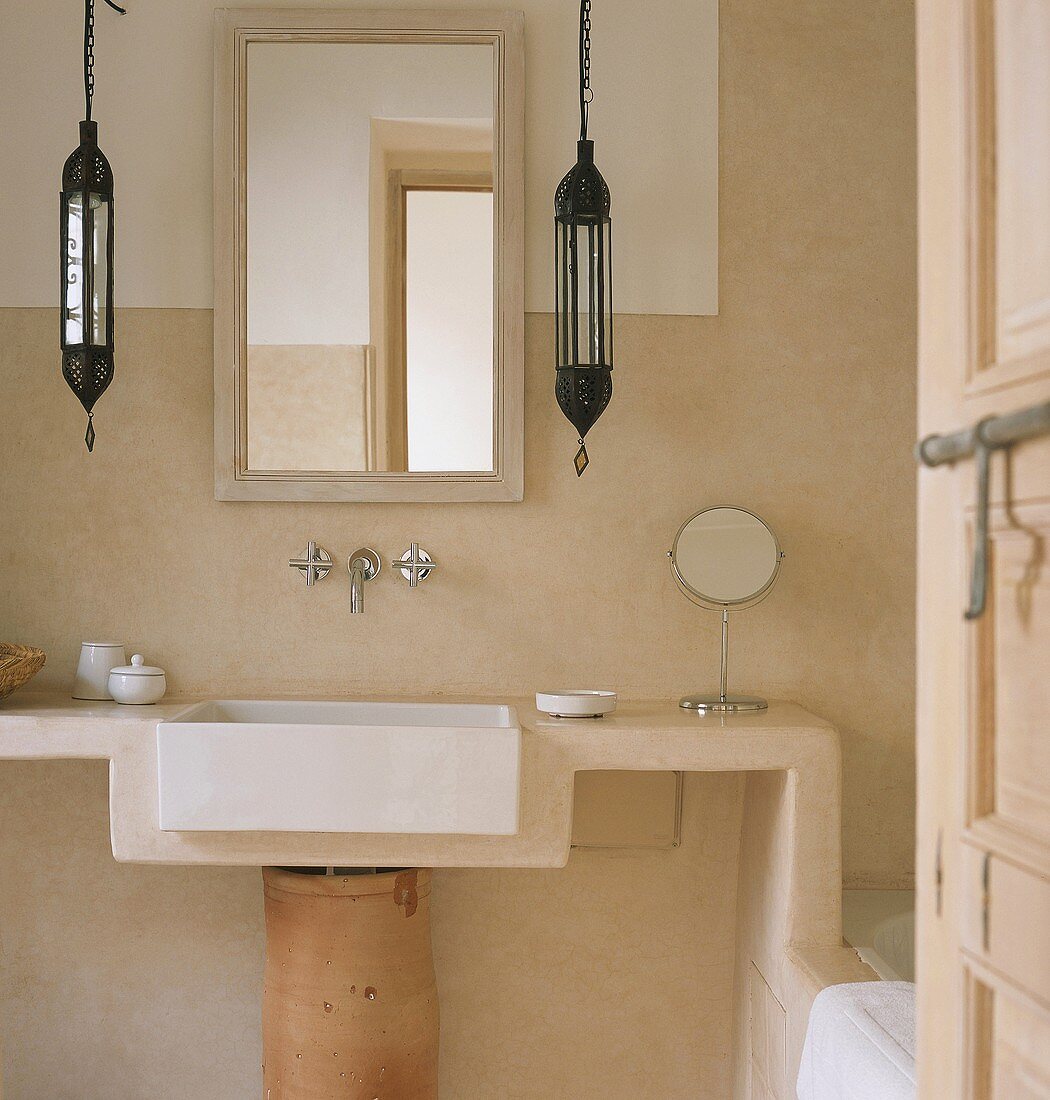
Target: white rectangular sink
(345,767)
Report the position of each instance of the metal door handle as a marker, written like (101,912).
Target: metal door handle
(994,433)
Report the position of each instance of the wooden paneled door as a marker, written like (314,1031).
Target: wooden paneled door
(984,685)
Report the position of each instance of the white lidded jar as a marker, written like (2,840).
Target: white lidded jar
(138,682)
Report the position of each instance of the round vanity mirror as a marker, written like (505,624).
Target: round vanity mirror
(725,559)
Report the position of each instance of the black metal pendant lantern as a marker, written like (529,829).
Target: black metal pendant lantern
(583,275)
(86,228)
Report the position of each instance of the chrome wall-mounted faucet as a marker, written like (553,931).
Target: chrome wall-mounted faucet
(314,565)
(415,565)
(364,565)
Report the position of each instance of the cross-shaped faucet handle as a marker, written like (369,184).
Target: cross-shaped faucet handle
(415,565)
(314,564)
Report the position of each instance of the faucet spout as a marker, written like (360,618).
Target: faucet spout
(357,586)
(363,565)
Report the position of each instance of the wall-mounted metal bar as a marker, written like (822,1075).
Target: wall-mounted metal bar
(995,433)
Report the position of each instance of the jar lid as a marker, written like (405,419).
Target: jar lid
(137,668)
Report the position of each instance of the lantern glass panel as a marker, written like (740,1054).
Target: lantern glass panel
(584,281)
(564,306)
(73,292)
(98,281)
(607,312)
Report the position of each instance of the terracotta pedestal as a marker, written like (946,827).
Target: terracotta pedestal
(350,1004)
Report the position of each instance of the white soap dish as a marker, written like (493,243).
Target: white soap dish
(576,704)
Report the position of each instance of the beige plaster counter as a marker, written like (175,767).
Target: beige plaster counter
(789,941)
(641,736)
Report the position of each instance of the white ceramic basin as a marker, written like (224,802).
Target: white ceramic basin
(346,767)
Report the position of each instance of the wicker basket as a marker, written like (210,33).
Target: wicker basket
(18,665)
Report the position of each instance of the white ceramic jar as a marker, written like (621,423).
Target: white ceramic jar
(92,677)
(138,682)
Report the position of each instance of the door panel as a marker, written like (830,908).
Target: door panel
(1000,933)
(1021,1060)
(984,686)
(1012,679)
(1021,89)
(1022,679)
(1003,173)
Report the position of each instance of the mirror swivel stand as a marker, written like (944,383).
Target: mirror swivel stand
(723,702)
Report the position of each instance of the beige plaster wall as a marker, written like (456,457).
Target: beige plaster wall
(610,978)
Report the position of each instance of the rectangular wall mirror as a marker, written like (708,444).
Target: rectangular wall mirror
(369,264)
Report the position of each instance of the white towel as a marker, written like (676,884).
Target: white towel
(860,1043)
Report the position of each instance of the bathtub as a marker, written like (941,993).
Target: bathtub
(860,1037)
(880,926)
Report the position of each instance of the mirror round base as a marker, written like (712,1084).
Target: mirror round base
(722,703)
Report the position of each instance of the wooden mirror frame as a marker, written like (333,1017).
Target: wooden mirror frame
(503,31)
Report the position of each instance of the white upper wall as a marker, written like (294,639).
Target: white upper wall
(654,121)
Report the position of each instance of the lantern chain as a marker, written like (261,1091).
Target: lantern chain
(89,56)
(89,51)
(586,95)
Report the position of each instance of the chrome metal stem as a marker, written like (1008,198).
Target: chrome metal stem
(724,681)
